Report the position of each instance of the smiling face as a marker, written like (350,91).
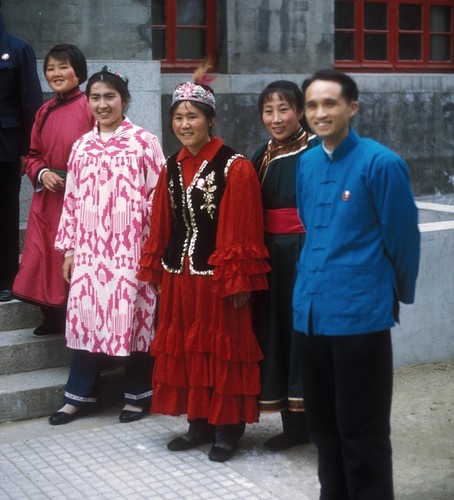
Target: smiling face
(191,126)
(60,76)
(106,105)
(328,112)
(280,119)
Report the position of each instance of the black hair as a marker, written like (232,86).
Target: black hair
(349,88)
(69,53)
(286,90)
(113,81)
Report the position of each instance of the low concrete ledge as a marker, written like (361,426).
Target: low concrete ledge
(426,330)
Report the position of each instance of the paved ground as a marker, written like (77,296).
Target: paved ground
(96,457)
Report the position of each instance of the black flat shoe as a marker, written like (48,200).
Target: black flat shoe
(127,416)
(188,441)
(285,441)
(222,452)
(61,417)
(44,331)
(6,295)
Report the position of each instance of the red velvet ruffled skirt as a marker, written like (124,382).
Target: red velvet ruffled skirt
(206,354)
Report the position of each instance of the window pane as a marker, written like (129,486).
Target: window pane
(158,12)
(440,48)
(158,44)
(440,18)
(410,47)
(344,46)
(410,17)
(375,47)
(191,44)
(375,16)
(344,15)
(190,12)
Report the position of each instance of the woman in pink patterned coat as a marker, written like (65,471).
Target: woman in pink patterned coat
(112,173)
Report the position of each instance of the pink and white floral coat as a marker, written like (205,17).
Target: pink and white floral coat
(105,220)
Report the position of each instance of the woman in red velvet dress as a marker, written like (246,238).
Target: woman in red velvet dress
(204,257)
(58,124)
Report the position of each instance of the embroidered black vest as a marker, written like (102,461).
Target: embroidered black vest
(196,212)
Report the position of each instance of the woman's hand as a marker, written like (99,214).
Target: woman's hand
(52,181)
(240,299)
(68,268)
(156,289)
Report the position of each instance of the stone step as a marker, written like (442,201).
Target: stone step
(20,352)
(16,315)
(39,393)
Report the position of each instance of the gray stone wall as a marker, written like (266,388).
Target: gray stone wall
(278,36)
(102,29)
(414,115)
(259,41)
(411,114)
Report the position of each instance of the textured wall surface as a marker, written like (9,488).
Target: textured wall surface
(411,114)
(259,41)
(260,32)
(102,29)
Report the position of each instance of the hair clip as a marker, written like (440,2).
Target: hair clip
(106,69)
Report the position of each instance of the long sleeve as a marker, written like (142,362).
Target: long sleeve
(35,161)
(240,256)
(154,162)
(399,218)
(161,227)
(59,123)
(65,239)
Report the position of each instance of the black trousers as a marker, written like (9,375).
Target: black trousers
(348,392)
(9,222)
(54,317)
(294,422)
(81,388)
(223,434)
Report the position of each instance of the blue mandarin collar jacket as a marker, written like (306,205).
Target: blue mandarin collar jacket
(362,247)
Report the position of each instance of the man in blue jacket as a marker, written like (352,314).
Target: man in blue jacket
(20,98)
(360,259)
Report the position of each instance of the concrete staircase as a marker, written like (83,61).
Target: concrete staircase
(34,371)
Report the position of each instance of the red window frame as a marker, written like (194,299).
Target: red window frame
(171,63)
(392,63)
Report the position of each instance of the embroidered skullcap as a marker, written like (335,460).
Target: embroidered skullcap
(196,90)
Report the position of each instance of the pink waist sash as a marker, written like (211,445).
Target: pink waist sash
(283,221)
